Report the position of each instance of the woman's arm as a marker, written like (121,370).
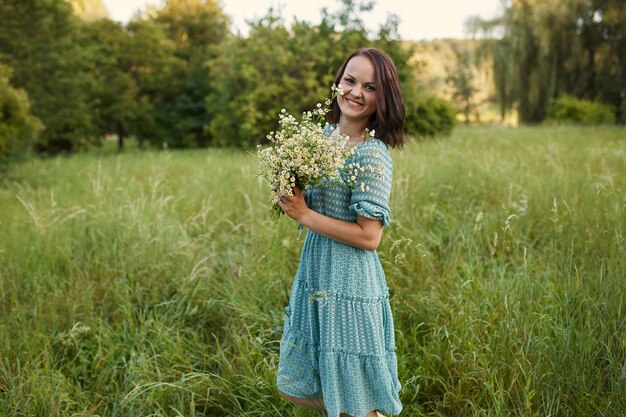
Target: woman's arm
(365,233)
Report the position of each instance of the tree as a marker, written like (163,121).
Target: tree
(40,40)
(116,94)
(196,28)
(610,23)
(463,88)
(159,76)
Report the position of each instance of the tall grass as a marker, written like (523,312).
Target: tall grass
(154,283)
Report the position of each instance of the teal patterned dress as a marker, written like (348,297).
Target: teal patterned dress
(338,339)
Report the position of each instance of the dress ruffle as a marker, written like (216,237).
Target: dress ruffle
(333,342)
(371,211)
(370,198)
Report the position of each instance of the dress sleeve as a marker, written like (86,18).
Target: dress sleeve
(370,196)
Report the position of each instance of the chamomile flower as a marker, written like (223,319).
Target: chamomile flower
(301,153)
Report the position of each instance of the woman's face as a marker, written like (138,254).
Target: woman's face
(359,89)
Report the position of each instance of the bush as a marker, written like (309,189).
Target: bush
(572,109)
(18,128)
(429,117)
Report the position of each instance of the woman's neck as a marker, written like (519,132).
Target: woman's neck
(355,131)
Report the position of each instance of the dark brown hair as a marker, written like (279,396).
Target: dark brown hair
(388,119)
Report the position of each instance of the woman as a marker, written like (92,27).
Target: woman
(337,351)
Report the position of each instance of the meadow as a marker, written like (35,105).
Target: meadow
(153,283)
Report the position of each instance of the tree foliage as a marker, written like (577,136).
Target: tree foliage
(159,75)
(175,75)
(115,95)
(464,86)
(197,29)
(41,41)
(18,127)
(543,49)
(273,68)
(278,67)
(90,10)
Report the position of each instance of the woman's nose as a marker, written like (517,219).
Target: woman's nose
(357,90)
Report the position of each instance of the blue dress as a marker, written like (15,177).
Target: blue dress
(338,338)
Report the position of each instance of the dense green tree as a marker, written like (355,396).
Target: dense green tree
(18,127)
(40,40)
(540,34)
(159,76)
(196,28)
(116,94)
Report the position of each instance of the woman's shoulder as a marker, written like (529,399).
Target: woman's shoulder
(373,148)
(374,144)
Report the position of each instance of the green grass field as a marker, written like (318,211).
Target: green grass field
(153,283)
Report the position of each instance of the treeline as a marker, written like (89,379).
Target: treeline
(558,59)
(176,76)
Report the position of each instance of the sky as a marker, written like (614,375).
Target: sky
(419,19)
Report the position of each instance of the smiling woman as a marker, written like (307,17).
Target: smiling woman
(338,351)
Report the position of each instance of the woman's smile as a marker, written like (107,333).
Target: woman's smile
(353,103)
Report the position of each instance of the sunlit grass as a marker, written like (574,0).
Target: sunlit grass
(154,283)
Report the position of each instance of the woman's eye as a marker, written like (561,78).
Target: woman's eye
(370,88)
(349,80)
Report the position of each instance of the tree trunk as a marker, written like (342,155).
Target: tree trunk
(121,136)
(591,69)
(620,80)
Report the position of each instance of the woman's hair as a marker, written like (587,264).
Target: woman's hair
(388,120)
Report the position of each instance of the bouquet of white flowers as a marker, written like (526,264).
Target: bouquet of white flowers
(302,153)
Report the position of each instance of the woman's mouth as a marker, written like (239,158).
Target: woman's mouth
(352,103)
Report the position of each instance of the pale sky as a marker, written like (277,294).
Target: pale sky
(419,19)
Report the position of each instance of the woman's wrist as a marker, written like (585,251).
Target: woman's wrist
(303,218)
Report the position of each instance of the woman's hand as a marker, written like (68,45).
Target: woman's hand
(365,233)
(294,205)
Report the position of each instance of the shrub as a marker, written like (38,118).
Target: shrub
(18,128)
(430,116)
(572,109)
